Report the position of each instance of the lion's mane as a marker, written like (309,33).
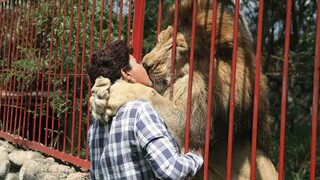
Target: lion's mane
(158,63)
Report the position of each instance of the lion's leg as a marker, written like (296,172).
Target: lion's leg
(241,164)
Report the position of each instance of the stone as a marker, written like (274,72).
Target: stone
(78,176)
(31,170)
(4,163)
(7,146)
(47,176)
(12,176)
(18,158)
(62,171)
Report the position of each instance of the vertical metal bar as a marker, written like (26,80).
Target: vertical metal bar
(27,105)
(23,44)
(9,66)
(232,94)
(190,82)
(49,74)
(5,120)
(160,7)
(43,75)
(3,9)
(256,93)
(75,79)
(17,56)
(210,90)
(37,85)
(173,51)
(62,61)
(12,91)
(89,85)
(55,90)
(82,76)
(137,37)
(67,89)
(101,21)
(110,21)
(71,23)
(284,90)
(55,78)
(120,20)
(315,103)
(11,96)
(129,22)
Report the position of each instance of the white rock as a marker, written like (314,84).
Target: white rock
(12,176)
(4,163)
(31,170)
(18,158)
(78,176)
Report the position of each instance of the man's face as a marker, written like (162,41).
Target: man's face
(138,73)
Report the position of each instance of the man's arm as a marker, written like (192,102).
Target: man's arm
(160,150)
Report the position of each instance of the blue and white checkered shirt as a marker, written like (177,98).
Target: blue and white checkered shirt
(137,145)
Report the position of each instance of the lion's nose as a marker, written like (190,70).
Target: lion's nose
(146,67)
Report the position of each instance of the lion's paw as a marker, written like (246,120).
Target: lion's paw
(100,94)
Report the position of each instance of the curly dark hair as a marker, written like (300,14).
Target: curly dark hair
(108,60)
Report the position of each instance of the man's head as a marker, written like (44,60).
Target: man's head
(108,61)
(114,61)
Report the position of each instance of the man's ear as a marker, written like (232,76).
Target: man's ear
(127,76)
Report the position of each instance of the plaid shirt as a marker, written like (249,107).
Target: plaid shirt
(137,145)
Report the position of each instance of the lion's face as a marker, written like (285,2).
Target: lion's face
(158,61)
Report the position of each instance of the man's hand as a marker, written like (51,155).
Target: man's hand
(100,94)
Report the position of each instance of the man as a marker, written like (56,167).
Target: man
(135,144)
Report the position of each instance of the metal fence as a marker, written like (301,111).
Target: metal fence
(45,48)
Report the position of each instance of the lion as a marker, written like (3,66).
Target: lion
(158,64)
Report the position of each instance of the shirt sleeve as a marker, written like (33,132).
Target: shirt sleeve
(164,158)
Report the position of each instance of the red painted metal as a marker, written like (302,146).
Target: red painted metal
(71,24)
(82,77)
(36,91)
(28,90)
(315,104)
(42,82)
(101,21)
(74,103)
(160,7)
(110,21)
(49,74)
(129,22)
(210,90)
(137,37)
(284,90)
(190,81)
(11,55)
(89,85)
(256,93)
(15,56)
(120,20)
(52,152)
(9,65)
(232,94)
(6,20)
(3,17)
(173,51)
